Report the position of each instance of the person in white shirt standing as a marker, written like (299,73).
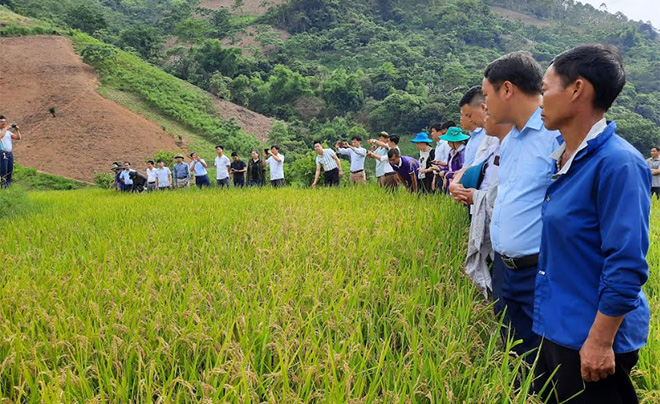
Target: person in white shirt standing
(385,175)
(7,150)
(222,164)
(276,164)
(163,176)
(331,166)
(357,153)
(198,167)
(151,176)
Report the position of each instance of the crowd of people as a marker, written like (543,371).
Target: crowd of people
(8,133)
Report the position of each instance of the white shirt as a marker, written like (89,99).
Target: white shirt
(163,176)
(357,157)
(6,142)
(442,151)
(151,175)
(221,164)
(484,146)
(596,130)
(200,170)
(423,156)
(327,160)
(276,167)
(126,176)
(492,171)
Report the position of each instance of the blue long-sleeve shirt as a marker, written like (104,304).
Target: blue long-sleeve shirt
(525,174)
(476,137)
(594,244)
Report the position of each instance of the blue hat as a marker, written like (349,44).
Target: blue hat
(454,134)
(422,137)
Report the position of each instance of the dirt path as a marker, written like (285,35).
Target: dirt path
(88,132)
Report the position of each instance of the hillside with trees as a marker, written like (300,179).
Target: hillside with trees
(331,68)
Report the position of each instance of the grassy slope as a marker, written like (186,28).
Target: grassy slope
(256,295)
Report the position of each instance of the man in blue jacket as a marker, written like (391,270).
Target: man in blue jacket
(589,305)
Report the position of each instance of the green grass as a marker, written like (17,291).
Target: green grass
(32,180)
(348,295)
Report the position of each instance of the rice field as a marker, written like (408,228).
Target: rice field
(249,296)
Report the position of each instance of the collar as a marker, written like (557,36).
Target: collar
(598,128)
(400,162)
(533,123)
(476,131)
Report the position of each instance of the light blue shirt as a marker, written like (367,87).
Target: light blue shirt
(125,175)
(525,173)
(357,157)
(200,170)
(472,147)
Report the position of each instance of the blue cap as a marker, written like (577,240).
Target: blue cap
(422,137)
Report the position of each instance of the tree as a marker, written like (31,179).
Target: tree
(86,19)
(144,39)
(343,92)
(219,86)
(212,56)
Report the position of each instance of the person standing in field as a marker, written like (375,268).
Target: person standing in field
(426,156)
(276,164)
(125,177)
(151,176)
(198,168)
(589,304)
(476,187)
(456,159)
(181,172)
(407,169)
(654,165)
(327,159)
(385,175)
(473,111)
(255,171)
(512,87)
(357,154)
(117,184)
(223,166)
(163,176)
(7,136)
(238,169)
(442,150)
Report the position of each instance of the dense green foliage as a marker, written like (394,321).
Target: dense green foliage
(278,296)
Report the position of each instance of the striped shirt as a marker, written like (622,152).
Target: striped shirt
(327,160)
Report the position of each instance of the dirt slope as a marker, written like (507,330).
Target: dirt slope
(88,132)
(254,7)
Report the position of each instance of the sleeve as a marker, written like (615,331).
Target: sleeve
(343,151)
(623,206)
(282,157)
(361,151)
(215,162)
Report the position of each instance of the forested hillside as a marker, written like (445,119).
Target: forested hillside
(331,68)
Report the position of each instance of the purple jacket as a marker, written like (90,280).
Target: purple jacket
(409,167)
(454,163)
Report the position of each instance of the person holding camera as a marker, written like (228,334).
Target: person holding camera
(357,153)
(276,164)
(125,177)
(7,135)
(198,168)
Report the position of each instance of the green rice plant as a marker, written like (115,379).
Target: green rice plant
(256,295)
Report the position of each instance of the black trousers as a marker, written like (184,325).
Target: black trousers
(567,382)
(656,191)
(331,178)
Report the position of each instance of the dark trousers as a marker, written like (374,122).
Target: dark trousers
(223,182)
(128,188)
(331,178)
(202,181)
(6,167)
(517,297)
(656,191)
(567,382)
(254,183)
(278,183)
(239,182)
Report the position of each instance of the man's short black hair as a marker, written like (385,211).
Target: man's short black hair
(276,147)
(317,142)
(160,161)
(474,94)
(358,138)
(393,153)
(150,162)
(219,147)
(520,69)
(600,65)
(656,148)
(234,154)
(395,139)
(126,162)
(2,117)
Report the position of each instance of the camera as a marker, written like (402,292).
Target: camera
(14,126)
(266,151)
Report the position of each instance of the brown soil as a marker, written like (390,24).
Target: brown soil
(253,7)
(88,132)
(517,16)
(249,40)
(251,122)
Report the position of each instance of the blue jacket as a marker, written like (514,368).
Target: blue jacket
(593,246)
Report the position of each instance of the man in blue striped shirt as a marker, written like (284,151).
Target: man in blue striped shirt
(512,86)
